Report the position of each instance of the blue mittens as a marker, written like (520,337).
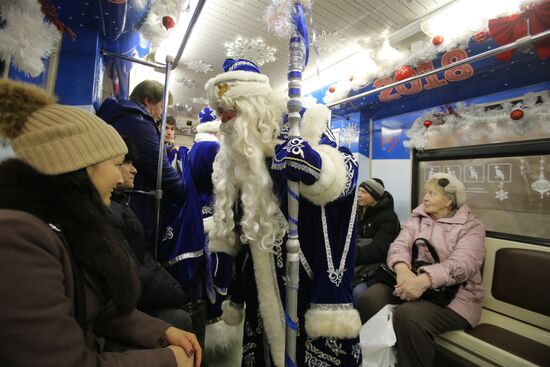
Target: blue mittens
(298,161)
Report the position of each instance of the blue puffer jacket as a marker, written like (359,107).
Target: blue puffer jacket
(133,121)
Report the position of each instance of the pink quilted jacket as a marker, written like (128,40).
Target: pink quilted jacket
(460,243)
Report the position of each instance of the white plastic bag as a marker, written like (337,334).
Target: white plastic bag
(378,338)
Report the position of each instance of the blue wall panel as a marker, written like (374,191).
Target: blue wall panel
(78,63)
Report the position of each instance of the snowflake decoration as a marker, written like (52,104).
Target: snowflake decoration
(349,135)
(255,50)
(199,100)
(199,66)
(542,185)
(330,41)
(501,194)
(189,83)
(182,107)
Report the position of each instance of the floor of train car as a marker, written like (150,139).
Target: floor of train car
(442,359)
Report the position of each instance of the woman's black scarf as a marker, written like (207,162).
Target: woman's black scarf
(74,206)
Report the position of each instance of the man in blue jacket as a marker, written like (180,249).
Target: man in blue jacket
(136,119)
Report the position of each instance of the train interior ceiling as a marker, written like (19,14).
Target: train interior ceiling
(485,119)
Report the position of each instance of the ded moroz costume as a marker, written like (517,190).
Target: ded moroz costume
(250,222)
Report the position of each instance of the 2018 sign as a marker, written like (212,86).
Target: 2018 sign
(455,74)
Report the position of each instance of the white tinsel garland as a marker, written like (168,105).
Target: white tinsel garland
(277,16)
(152,28)
(473,125)
(26,38)
(379,59)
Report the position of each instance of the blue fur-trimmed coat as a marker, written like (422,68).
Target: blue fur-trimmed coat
(328,326)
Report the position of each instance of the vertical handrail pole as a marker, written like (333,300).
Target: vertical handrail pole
(160,162)
(294,105)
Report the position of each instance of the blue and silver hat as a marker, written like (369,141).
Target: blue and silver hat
(241,78)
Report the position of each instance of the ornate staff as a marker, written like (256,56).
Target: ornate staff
(298,46)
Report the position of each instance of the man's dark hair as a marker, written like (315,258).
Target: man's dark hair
(132,154)
(170,120)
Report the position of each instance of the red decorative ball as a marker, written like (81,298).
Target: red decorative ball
(437,40)
(427,123)
(168,22)
(331,89)
(516,114)
(404,72)
(481,36)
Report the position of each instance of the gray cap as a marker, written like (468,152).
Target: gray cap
(374,186)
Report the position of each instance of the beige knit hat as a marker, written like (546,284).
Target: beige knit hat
(52,138)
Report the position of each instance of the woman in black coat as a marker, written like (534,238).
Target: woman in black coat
(66,285)
(377,227)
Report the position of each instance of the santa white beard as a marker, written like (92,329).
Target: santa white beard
(240,172)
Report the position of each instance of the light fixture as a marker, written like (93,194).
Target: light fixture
(403,38)
(467,15)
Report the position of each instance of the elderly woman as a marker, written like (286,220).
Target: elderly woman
(445,221)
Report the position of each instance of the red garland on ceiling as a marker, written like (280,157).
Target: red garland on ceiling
(508,29)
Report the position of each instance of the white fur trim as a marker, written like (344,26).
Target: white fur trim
(224,247)
(220,337)
(205,137)
(344,324)
(239,84)
(207,224)
(314,122)
(209,127)
(270,304)
(332,180)
(232,315)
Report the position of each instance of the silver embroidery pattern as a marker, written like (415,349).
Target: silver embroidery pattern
(303,168)
(356,351)
(168,234)
(317,355)
(279,255)
(295,146)
(335,275)
(312,361)
(248,355)
(207,210)
(305,264)
(351,166)
(278,294)
(248,329)
(331,306)
(285,129)
(54,227)
(260,326)
(222,291)
(186,255)
(334,346)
